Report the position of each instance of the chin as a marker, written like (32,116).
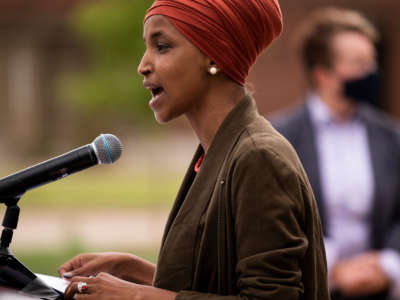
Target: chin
(165,115)
(161,119)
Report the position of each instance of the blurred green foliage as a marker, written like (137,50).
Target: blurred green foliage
(99,189)
(112,33)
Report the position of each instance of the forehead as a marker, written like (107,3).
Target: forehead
(353,45)
(158,25)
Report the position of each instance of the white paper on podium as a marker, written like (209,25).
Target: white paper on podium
(54,282)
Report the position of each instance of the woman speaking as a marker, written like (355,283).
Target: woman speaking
(244,224)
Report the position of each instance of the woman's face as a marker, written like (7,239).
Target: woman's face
(174,70)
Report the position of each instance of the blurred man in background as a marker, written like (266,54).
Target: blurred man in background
(351,153)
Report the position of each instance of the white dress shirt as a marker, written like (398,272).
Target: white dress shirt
(347,183)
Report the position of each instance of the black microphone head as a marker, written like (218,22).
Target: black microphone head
(108,148)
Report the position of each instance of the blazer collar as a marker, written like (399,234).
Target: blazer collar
(196,190)
(233,125)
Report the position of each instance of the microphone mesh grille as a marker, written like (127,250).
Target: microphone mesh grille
(108,148)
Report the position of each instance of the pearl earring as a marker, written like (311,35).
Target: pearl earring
(213,70)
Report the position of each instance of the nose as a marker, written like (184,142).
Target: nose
(144,67)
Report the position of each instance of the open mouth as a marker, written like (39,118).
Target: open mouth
(157,91)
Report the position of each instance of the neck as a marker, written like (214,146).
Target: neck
(207,117)
(341,107)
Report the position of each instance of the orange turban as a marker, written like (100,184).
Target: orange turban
(232,33)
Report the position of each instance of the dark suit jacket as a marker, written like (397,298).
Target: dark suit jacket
(384,143)
(247,225)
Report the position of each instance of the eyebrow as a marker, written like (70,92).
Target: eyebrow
(154,35)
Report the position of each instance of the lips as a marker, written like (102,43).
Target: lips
(154,88)
(156,91)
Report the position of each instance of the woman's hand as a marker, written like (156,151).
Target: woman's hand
(108,287)
(122,265)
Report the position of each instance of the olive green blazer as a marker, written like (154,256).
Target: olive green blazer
(246,226)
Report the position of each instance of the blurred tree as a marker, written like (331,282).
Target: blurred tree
(112,33)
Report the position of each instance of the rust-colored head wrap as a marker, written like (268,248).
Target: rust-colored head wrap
(230,32)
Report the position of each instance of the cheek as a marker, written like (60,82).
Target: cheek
(334,82)
(337,84)
(353,69)
(187,80)
(191,68)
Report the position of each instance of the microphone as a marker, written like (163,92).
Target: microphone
(105,149)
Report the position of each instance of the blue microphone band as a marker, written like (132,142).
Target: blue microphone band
(108,148)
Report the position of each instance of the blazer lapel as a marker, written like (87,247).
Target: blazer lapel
(203,185)
(183,191)
(175,263)
(380,150)
(307,149)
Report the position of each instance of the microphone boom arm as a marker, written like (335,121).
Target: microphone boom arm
(10,220)
(105,149)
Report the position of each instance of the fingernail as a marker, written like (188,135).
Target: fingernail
(67,275)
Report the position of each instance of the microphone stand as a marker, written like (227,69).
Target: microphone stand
(14,274)
(10,222)
(9,265)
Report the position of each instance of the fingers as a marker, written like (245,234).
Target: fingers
(82,297)
(102,287)
(65,268)
(79,286)
(83,271)
(70,291)
(87,287)
(70,265)
(86,264)
(360,281)
(88,269)
(68,275)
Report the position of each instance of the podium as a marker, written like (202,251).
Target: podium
(14,276)
(55,283)
(9,294)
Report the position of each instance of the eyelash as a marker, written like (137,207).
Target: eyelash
(162,47)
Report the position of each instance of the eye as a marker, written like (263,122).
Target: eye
(162,47)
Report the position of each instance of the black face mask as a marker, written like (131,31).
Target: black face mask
(364,89)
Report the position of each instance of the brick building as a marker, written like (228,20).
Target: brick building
(278,76)
(36,46)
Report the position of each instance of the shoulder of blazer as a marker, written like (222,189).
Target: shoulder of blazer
(293,122)
(382,125)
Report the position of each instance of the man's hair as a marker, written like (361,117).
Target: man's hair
(317,32)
